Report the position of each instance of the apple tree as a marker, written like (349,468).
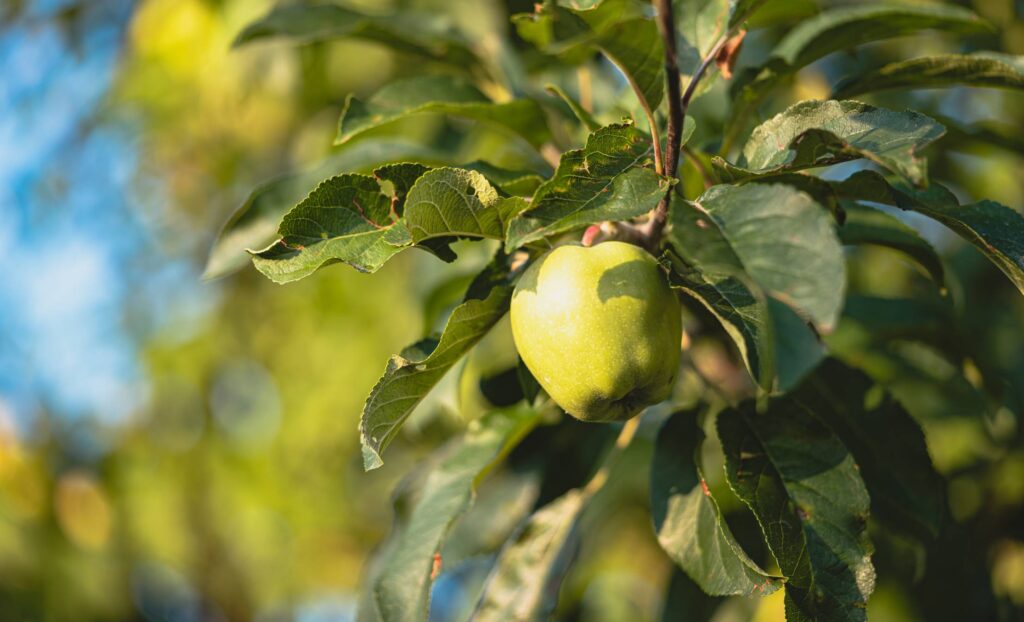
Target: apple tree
(652,188)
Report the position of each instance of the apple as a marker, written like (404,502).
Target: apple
(599,328)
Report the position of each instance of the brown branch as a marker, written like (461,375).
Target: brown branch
(677,106)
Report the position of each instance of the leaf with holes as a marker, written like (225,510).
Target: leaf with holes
(345,219)
(815,133)
(609,179)
(804,488)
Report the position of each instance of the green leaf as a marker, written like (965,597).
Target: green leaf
(516,183)
(699,26)
(886,442)
(815,133)
(523,586)
(996,230)
(430,35)
(985,69)
(805,490)
(401,176)
(444,95)
(455,202)
(408,378)
(688,521)
(345,219)
(254,224)
(402,585)
(778,236)
(837,29)
(609,179)
(622,29)
(776,345)
(868,225)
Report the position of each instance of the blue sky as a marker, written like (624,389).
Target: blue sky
(70,227)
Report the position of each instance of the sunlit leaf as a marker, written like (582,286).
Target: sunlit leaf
(445,95)
(837,29)
(410,376)
(609,179)
(688,521)
(986,69)
(524,583)
(402,585)
(516,183)
(456,202)
(820,133)
(345,219)
(807,494)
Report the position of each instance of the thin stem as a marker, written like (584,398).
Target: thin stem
(677,106)
(625,437)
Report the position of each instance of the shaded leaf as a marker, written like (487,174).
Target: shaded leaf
(609,179)
(805,490)
(455,202)
(585,118)
(986,69)
(886,442)
(688,521)
(401,176)
(345,219)
(523,586)
(402,585)
(430,35)
(516,183)
(815,133)
(867,225)
(406,381)
(445,95)
(777,235)
(996,230)
(836,29)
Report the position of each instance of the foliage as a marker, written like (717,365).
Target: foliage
(815,448)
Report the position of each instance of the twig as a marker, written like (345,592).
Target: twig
(677,106)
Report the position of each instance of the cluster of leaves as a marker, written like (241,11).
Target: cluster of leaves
(817,446)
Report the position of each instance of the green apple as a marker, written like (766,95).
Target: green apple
(599,328)
(488,379)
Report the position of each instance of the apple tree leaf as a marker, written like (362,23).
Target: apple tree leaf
(609,179)
(457,202)
(886,442)
(996,230)
(985,69)
(523,585)
(402,583)
(410,376)
(776,235)
(688,521)
(820,133)
(444,95)
(805,489)
(345,219)
(834,30)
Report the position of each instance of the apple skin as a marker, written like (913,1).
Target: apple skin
(599,328)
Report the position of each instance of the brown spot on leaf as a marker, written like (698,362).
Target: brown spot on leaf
(726,58)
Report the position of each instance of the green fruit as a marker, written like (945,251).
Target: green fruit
(599,328)
(488,379)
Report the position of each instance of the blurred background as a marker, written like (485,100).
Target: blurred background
(180,449)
